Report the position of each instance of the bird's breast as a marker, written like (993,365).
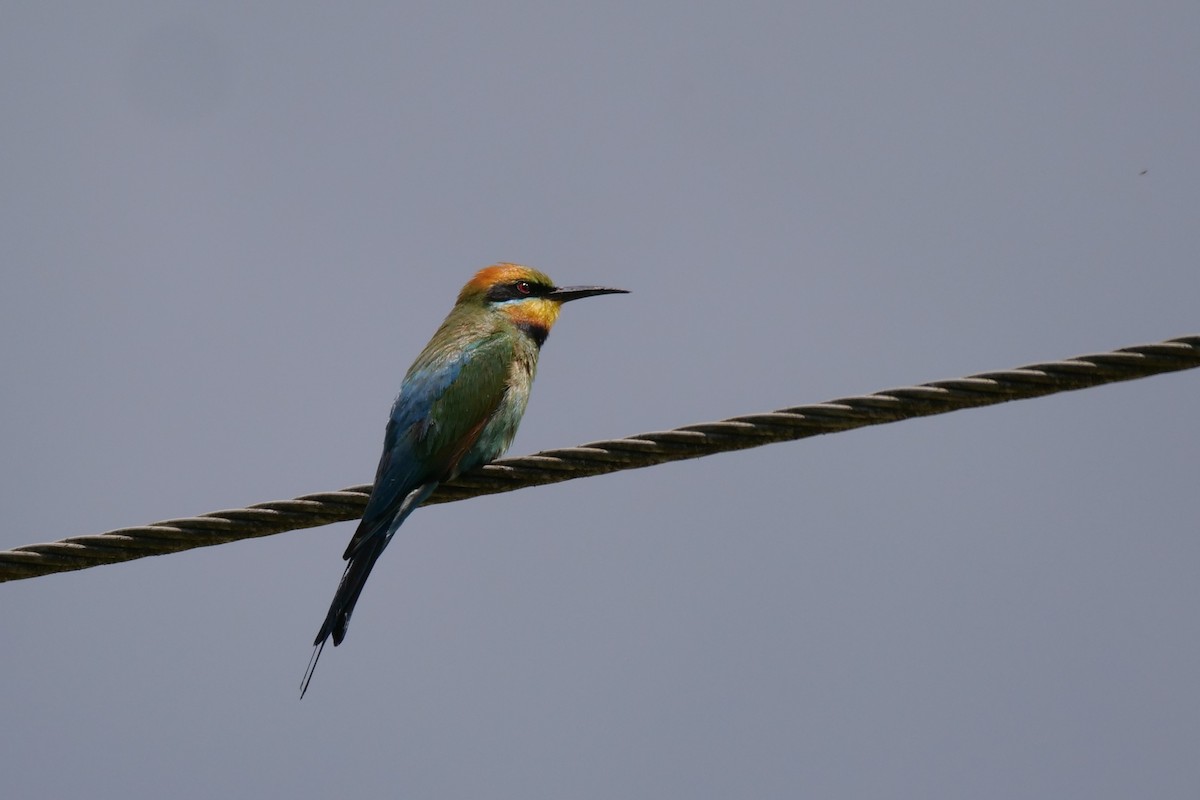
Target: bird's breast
(501,427)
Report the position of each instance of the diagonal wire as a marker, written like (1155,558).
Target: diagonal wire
(599,458)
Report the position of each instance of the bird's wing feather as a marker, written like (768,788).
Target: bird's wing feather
(443,405)
(457,417)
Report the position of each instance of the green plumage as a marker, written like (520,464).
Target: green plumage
(458,408)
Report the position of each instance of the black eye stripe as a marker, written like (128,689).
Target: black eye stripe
(517,290)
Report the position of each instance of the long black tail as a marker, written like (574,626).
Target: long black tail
(373,534)
(344,599)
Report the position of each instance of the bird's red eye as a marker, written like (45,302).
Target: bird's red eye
(523,287)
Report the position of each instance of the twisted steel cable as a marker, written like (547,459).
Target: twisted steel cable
(598,458)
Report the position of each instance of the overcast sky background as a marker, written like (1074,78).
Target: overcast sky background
(227,229)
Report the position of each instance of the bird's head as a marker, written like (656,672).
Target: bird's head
(527,297)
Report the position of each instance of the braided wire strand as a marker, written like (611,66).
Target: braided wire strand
(613,455)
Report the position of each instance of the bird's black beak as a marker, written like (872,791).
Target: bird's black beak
(564,294)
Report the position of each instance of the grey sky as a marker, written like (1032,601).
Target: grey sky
(226,231)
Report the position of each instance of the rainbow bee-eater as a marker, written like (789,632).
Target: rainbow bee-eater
(458,408)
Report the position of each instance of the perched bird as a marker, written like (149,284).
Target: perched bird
(458,408)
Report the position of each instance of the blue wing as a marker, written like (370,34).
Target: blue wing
(443,405)
(401,468)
